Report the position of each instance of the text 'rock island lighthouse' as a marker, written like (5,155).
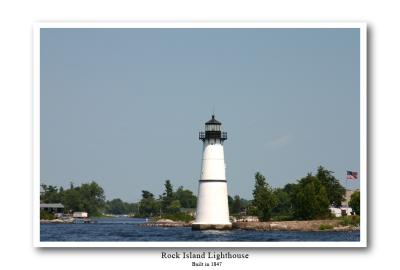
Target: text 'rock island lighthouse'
(212,201)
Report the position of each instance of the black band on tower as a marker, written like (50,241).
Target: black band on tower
(223,181)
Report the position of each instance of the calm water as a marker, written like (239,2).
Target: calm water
(129,229)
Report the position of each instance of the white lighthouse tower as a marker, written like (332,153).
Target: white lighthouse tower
(212,201)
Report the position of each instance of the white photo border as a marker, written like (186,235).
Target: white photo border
(363,132)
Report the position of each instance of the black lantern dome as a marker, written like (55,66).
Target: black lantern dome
(213,121)
(213,130)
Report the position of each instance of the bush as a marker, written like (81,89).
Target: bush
(350,220)
(46,215)
(355,202)
(282,218)
(324,227)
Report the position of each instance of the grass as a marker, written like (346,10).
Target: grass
(324,227)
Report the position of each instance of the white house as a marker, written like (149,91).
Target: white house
(342,211)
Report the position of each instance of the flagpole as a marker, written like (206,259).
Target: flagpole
(345,187)
(347,184)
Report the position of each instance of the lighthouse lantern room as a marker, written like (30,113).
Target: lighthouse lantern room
(212,202)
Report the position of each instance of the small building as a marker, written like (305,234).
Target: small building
(80,215)
(342,211)
(52,207)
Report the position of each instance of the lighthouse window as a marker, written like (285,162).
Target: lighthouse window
(213,127)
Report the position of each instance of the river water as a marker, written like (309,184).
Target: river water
(130,230)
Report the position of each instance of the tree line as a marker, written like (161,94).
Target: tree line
(169,204)
(88,197)
(309,198)
(173,203)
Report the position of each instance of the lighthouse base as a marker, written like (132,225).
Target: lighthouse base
(201,227)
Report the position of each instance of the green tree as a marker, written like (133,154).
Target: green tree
(148,206)
(51,194)
(169,190)
(334,190)
(147,194)
(174,207)
(251,210)
(92,198)
(185,197)
(132,208)
(309,199)
(88,197)
(354,202)
(263,198)
(244,205)
(167,197)
(284,204)
(289,188)
(230,204)
(236,204)
(116,207)
(72,200)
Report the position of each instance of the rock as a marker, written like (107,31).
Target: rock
(164,220)
(166,223)
(56,221)
(278,227)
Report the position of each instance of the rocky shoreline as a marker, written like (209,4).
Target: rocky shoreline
(66,221)
(307,225)
(167,223)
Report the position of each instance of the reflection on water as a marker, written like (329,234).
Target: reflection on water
(216,232)
(130,230)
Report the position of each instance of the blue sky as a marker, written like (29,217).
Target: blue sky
(123,107)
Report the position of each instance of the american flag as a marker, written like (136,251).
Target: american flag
(352,175)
